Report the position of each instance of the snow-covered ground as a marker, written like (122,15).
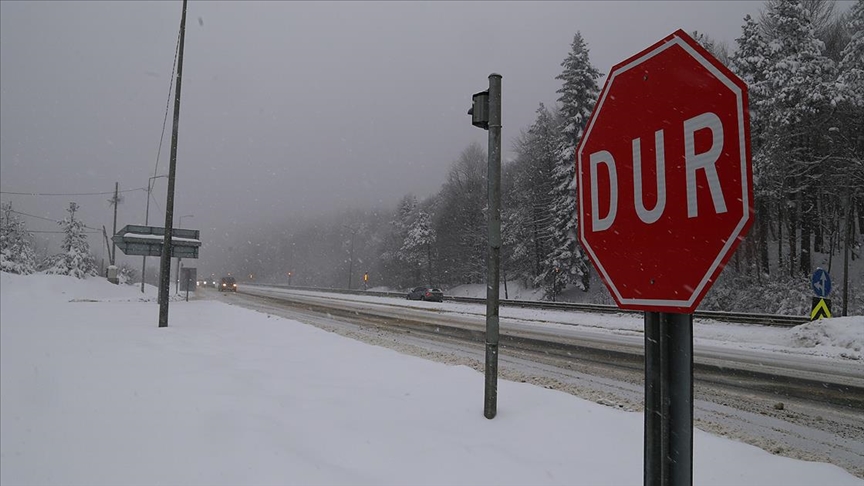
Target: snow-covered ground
(94,393)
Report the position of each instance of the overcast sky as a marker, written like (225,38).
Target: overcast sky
(287,108)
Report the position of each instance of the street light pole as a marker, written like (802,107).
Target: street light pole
(150,183)
(351,256)
(180,225)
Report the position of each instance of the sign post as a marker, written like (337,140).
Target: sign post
(665,196)
(820,307)
(486,114)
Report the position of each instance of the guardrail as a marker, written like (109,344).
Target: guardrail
(734,317)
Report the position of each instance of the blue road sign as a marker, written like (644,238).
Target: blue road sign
(821,283)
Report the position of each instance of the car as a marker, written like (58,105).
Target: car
(426,293)
(228,284)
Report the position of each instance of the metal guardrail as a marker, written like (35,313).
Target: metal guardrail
(734,317)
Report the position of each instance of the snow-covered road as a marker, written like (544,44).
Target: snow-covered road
(730,405)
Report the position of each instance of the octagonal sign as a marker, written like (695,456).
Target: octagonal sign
(664,176)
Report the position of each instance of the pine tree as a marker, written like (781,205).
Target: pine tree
(799,73)
(567,262)
(417,246)
(750,62)
(75,259)
(849,87)
(16,244)
(798,77)
(528,213)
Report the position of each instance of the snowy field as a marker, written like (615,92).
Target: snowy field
(94,393)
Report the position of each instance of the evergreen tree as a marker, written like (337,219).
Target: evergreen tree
(75,259)
(528,214)
(750,62)
(849,87)
(393,259)
(567,262)
(798,78)
(417,247)
(16,244)
(460,220)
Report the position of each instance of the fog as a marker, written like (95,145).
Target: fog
(287,108)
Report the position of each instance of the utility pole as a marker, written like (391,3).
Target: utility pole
(115,201)
(351,255)
(165,267)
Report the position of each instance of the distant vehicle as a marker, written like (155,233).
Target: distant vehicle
(207,282)
(228,285)
(426,293)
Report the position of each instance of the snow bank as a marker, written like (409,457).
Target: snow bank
(846,333)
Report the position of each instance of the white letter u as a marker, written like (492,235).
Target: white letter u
(654,214)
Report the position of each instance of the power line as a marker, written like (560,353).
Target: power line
(70,193)
(48,219)
(167,104)
(62,232)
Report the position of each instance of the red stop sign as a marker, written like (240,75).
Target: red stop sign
(664,176)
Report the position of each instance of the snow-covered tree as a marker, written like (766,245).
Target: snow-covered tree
(16,244)
(798,75)
(798,79)
(418,245)
(527,218)
(75,258)
(460,220)
(750,62)
(849,87)
(567,262)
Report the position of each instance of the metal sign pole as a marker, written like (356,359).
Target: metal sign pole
(668,399)
(679,356)
(490,408)
(653,400)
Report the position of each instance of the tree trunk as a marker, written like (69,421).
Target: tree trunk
(792,220)
(762,235)
(779,239)
(806,215)
(818,233)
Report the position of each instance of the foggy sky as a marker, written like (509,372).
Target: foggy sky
(287,108)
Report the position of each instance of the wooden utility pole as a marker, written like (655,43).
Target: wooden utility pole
(165,267)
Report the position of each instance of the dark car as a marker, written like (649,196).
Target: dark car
(426,293)
(228,284)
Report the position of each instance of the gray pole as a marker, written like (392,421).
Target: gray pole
(668,439)
(490,408)
(114,231)
(846,255)
(146,223)
(653,400)
(351,262)
(165,264)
